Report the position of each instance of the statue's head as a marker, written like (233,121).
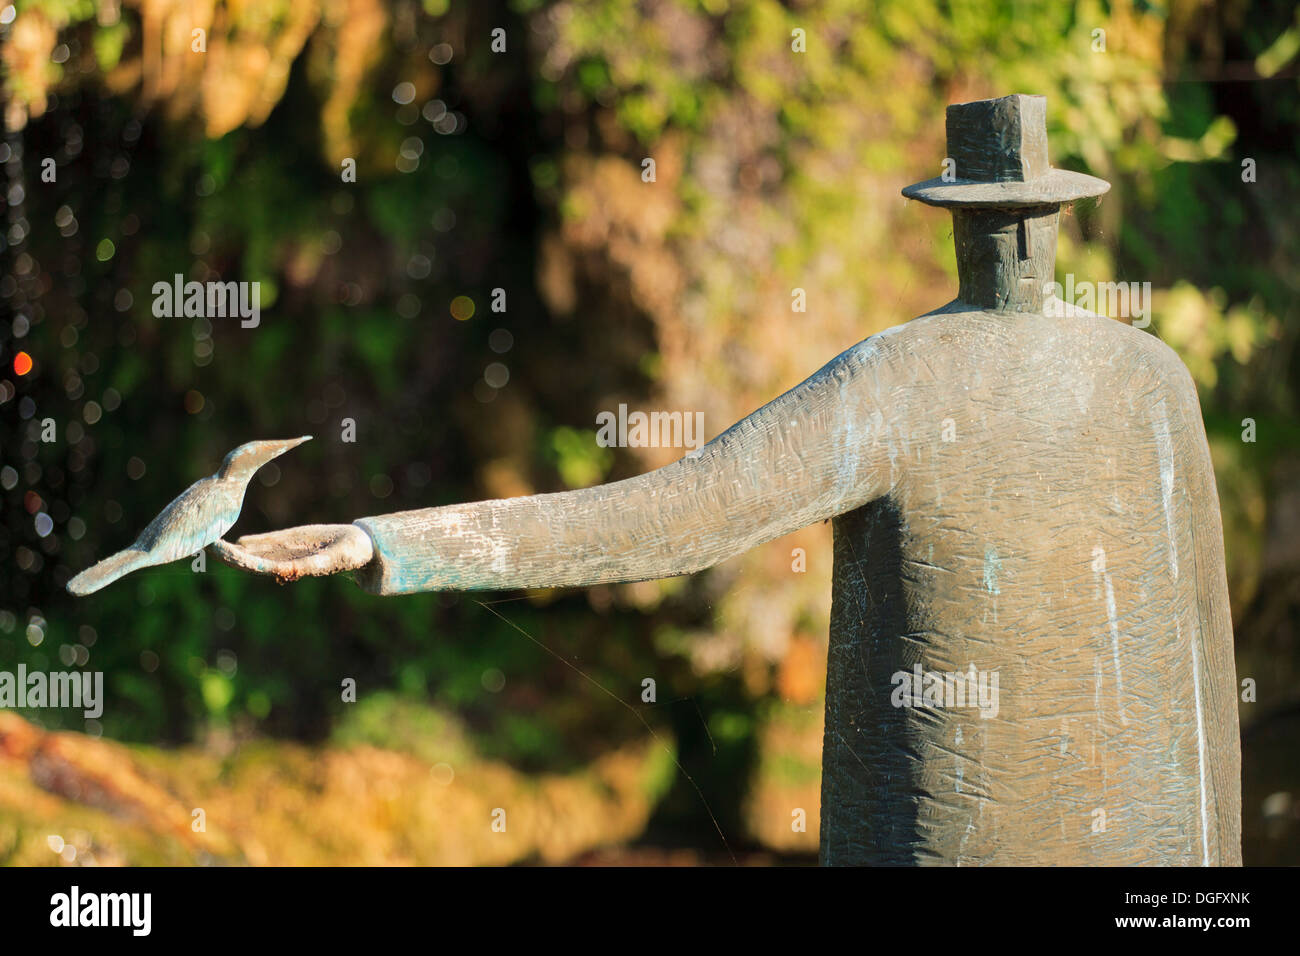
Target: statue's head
(1005,199)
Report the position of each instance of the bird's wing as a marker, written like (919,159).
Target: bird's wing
(200,515)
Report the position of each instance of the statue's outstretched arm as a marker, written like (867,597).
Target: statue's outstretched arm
(822,448)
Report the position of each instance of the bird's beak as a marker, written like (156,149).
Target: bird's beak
(278,448)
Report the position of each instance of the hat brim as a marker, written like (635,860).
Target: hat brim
(1055,186)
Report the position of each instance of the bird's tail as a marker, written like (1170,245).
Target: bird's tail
(108,571)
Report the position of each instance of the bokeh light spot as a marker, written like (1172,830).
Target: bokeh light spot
(496,375)
(462,308)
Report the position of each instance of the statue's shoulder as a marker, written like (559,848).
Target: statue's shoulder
(1069,330)
(1135,357)
(1139,346)
(949,339)
(868,355)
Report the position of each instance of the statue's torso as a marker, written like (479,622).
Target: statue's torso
(1051,529)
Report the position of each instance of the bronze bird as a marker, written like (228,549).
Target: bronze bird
(197,518)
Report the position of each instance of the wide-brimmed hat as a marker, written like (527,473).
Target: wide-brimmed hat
(999,148)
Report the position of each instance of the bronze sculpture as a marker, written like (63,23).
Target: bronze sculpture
(197,517)
(1031,649)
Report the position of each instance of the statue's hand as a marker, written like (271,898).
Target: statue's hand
(311,550)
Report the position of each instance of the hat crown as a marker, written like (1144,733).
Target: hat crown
(1002,140)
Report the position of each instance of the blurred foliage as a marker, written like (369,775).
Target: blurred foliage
(522,171)
(76,800)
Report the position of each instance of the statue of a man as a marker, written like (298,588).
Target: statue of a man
(1031,652)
